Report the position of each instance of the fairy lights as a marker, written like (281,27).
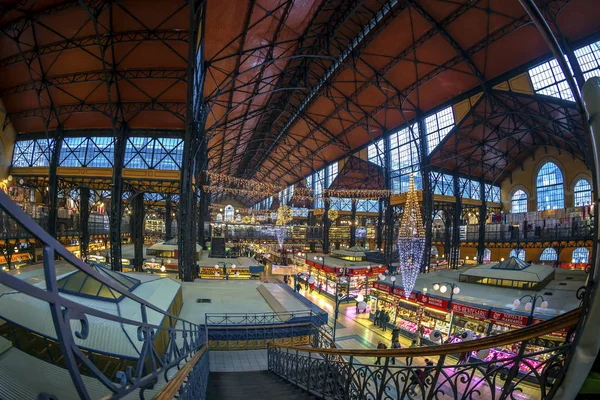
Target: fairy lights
(411,240)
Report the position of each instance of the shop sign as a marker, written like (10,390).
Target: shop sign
(506,318)
(400,292)
(470,311)
(433,302)
(382,287)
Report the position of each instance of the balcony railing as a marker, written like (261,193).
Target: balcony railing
(350,374)
(162,346)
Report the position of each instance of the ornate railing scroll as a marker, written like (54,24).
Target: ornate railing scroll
(190,381)
(351,374)
(74,323)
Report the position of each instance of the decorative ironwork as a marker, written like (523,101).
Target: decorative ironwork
(333,378)
(71,321)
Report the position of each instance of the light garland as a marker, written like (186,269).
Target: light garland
(247,183)
(222,189)
(358,194)
(411,240)
(333,214)
(280,233)
(284,215)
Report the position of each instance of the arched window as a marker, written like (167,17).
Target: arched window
(581,255)
(550,191)
(487,255)
(229,213)
(518,253)
(434,251)
(519,202)
(583,193)
(219,217)
(549,254)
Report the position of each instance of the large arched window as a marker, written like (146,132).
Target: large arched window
(229,213)
(549,254)
(518,253)
(583,193)
(550,191)
(581,255)
(519,202)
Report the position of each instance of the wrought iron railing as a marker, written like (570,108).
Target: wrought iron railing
(237,331)
(178,340)
(350,374)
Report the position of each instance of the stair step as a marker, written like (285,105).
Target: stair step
(252,385)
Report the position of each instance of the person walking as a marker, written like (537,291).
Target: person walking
(380,346)
(395,334)
(385,318)
(409,360)
(396,346)
(376,317)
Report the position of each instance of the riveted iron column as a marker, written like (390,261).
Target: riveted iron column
(53,182)
(389,211)
(193,159)
(203,218)
(84,217)
(137,230)
(427,194)
(482,219)
(379,228)
(447,235)
(353,224)
(326,223)
(169,218)
(455,246)
(116,199)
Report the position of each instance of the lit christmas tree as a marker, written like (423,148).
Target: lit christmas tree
(411,240)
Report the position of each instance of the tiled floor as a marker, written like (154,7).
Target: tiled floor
(247,360)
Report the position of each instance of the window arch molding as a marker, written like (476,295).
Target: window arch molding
(534,178)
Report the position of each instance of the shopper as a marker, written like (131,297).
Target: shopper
(380,346)
(409,360)
(384,320)
(376,317)
(396,346)
(395,334)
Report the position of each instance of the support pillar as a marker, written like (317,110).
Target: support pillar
(116,199)
(482,219)
(455,247)
(389,234)
(427,197)
(379,229)
(353,224)
(447,236)
(168,218)
(203,213)
(137,224)
(84,217)
(53,182)
(326,223)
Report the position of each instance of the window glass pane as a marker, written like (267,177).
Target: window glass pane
(581,255)
(520,254)
(583,193)
(437,127)
(550,193)
(73,151)
(138,152)
(548,79)
(100,152)
(519,202)
(375,152)
(549,254)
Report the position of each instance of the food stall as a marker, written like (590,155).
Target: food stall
(467,317)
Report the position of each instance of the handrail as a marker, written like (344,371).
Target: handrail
(170,390)
(552,325)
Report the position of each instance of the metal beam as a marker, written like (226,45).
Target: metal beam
(84,218)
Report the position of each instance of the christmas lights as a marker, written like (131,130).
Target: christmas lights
(411,240)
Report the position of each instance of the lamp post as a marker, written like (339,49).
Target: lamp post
(530,305)
(442,287)
(225,265)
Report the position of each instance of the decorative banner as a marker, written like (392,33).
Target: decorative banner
(470,311)
(382,287)
(411,240)
(400,292)
(506,318)
(433,302)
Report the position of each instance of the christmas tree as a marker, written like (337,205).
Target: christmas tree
(411,240)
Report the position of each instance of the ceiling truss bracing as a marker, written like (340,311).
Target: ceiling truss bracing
(291,86)
(407,64)
(94,64)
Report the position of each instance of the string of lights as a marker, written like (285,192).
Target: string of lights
(216,178)
(358,194)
